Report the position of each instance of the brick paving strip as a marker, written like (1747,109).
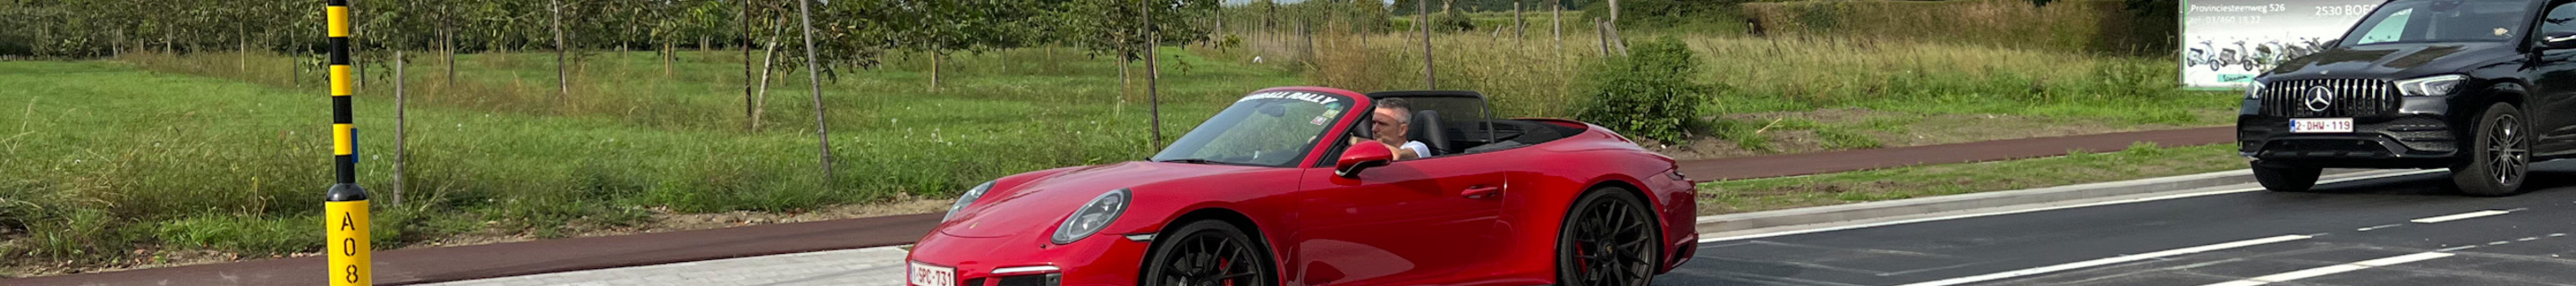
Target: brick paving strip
(459,263)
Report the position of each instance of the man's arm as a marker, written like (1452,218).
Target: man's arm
(1412,150)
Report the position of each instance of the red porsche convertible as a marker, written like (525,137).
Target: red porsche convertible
(1273,191)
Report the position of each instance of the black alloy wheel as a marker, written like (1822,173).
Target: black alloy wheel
(1211,253)
(2502,158)
(1608,240)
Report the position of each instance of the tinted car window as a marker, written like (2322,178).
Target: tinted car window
(2559,18)
(2439,21)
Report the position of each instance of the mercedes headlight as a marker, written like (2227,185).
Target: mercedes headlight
(2431,85)
(1092,217)
(966,200)
(2254,90)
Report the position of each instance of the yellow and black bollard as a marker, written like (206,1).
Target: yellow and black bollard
(346,206)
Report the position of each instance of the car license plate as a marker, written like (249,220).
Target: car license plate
(2321,125)
(926,275)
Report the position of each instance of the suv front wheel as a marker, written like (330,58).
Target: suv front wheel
(2284,178)
(2502,154)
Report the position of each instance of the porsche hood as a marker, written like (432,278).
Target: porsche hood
(1035,206)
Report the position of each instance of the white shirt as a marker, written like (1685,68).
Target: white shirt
(1419,149)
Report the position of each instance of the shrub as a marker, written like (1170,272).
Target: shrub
(1454,22)
(1649,93)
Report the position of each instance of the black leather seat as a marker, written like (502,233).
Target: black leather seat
(1426,129)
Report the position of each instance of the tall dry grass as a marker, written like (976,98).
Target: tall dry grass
(2098,26)
(1836,71)
(1520,76)
(1531,78)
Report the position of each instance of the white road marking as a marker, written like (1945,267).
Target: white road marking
(2463,247)
(2403,259)
(2109,261)
(2332,269)
(2378,227)
(2469,215)
(2236,283)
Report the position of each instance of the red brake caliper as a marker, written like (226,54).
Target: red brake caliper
(1579,264)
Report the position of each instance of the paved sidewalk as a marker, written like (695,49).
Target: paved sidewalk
(865,266)
(576,255)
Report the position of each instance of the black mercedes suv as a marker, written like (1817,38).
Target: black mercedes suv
(2461,84)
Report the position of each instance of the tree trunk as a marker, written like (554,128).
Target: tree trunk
(563,76)
(399,121)
(748,98)
(1124,78)
(768,63)
(814,84)
(296,67)
(1153,76)
(447,41)
(1601,32)
(1519,31)
(934,69)
(667,49)
(1424,7)
(1556,20)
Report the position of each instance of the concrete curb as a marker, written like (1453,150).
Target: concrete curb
(1741,223)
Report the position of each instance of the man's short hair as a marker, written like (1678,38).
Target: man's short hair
(1404,106)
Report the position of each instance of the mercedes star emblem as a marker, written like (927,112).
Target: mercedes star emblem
(2320,98)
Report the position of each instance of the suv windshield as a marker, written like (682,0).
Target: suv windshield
(1262,129)
(2421,21)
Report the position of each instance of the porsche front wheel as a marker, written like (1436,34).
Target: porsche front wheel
(1608,240)
(1208,252)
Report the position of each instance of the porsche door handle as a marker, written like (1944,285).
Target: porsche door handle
(1480,191)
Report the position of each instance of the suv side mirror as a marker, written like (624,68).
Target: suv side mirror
(1361,156)
(2558,40)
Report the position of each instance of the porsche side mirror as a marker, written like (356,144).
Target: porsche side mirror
(2558,41)
(1362,156)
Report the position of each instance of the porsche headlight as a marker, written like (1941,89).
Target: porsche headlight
(1092,217)
(966,200)
(2431,85)
(2254,90)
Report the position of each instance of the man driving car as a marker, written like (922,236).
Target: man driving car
(1393,117)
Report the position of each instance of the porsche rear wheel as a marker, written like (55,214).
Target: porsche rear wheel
(1208,252)
(1608,240)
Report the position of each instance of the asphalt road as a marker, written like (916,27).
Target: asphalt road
(2407,230)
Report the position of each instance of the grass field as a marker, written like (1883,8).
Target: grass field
(220,152)
(195,152)
(2138,162)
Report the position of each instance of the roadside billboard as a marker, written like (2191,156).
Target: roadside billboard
(2225,43)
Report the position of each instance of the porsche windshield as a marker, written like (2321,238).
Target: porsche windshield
(1263,129)
(2426,21)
